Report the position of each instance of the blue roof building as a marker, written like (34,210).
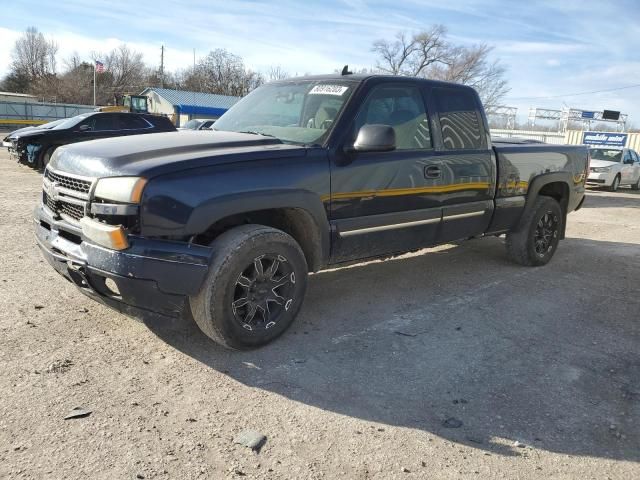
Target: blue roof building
(186,105)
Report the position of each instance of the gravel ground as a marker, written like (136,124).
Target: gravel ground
(448,363)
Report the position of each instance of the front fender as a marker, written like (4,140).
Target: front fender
(188,203)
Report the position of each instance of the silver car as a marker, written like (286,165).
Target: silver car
(611,167)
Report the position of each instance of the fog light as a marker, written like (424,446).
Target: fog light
(109,236)
(111,285)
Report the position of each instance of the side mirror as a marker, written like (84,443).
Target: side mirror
(375,138)
(84,128)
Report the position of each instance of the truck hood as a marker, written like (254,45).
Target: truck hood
(602,163)
(159,153)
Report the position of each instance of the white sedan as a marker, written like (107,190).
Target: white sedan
(612,167)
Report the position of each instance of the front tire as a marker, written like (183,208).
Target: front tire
(254,289)
(46,157)
(536,239)
(615,184)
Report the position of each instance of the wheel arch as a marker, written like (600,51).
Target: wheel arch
(555,185)
(299,214)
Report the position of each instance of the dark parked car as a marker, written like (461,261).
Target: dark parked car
(198,124)
(8,140)
(298,175)
(35,147)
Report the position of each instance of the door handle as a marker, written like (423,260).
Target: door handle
(432,171)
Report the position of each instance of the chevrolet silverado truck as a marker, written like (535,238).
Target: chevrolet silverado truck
(225,226)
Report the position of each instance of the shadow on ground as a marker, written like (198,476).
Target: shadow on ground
(545,356)
(623,198)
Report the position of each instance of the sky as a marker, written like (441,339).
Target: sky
(551,49)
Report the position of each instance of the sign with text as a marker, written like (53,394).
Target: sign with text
(609,139)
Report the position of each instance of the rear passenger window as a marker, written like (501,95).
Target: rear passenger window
(130,121)
(459,119)
(401,107)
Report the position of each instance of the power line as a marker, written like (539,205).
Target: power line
(576,94)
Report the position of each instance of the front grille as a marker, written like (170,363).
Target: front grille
(71,183)
(49,202)
(60,207)
(74,211)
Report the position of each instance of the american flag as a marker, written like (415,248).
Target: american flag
(99,66)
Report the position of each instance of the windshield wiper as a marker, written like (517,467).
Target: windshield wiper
(252,132)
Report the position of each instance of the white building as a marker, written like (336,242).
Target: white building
(187,105)
(17,97)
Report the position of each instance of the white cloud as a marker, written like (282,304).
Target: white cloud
(9,38)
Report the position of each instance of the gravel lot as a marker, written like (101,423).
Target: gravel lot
(449,363)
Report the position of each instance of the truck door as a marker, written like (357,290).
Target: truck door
(386,202)
(468,165)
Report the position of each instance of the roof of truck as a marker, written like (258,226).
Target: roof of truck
(353,77)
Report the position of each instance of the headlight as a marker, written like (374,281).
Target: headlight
(600,169)
(120,189)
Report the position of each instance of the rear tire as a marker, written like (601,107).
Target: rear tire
(254,289)
(536,238)
(615,184)
(636,186)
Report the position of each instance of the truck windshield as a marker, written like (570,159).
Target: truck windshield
(300,112)
(606,154)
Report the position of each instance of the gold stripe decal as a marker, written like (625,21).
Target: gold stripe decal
(394,192)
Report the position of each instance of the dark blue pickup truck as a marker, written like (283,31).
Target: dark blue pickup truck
(299,175)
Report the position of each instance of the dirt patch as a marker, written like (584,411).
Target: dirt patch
(452,363)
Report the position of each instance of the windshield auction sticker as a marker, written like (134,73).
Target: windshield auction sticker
(328,90)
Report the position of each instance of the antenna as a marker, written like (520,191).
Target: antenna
(345,70)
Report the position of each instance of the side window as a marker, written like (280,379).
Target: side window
(132,122)
(401,107)
(636,158)
(100,122)
(459,119)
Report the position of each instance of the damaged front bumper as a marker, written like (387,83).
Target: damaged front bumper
(150,276)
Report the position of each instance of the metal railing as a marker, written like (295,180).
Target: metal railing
(34,113)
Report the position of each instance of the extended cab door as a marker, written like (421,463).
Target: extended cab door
(467,161)
(386,202)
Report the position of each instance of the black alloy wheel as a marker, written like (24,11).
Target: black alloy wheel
(264,290)
(254,288)
(545,233)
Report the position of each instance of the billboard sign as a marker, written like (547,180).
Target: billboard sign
(608,139)
(588,114)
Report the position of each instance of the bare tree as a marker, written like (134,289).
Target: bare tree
(224,73)
(411,55)
(76,83)
(73,61)
(33,56)
(125,70)
(429,54)
(277,73)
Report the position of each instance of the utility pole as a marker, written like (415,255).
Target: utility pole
(94,82)
(162,66)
